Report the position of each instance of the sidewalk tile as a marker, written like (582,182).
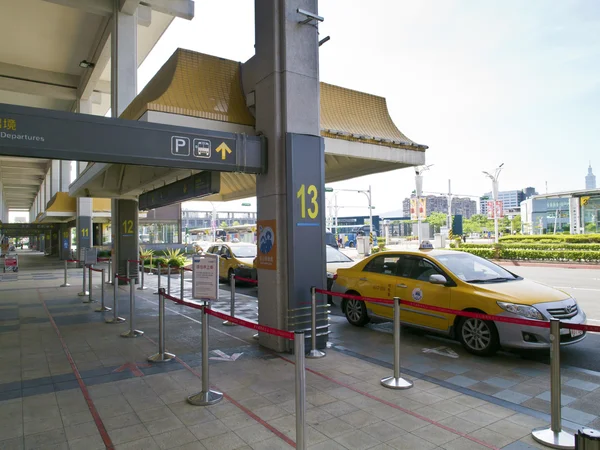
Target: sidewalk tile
(580,384)
(462,381)
(512,396)
(357,440)
(564,399)
(577,416)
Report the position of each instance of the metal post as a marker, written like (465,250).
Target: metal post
(162,355)
(396,382)
(554,436)
(84,291)
(207,396)
(169,279)
(182,281)
(110,280)
(158,270)
(314,353)
(128,271)
(116,318)
(90,299)
(300,391)
(232,301)
(65,284)
(102,307)
(142,270)
(132,333)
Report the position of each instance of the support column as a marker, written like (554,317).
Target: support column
(64,176)
(64,242)
(284,78)
(54,177)
(2,219)
(124,213)
(84,225)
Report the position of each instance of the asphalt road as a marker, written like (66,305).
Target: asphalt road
(583,284)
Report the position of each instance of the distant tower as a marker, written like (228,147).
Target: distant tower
(590,179)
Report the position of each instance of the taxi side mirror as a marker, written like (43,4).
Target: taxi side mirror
(438,279)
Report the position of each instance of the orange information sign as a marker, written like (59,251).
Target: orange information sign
(267,245)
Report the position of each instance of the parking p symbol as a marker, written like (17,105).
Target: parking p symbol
(180,146)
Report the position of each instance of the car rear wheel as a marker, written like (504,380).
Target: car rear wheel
(479,337)
(356,312)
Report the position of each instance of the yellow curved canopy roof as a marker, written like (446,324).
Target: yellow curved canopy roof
(199,85)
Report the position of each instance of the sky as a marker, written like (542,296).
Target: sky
(480,82)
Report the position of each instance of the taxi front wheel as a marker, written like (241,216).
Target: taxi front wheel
(356,312)
(479,337)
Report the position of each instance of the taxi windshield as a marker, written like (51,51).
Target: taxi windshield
(473,269)
(335,256)
(244,252)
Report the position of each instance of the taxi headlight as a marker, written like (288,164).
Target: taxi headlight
(521,310)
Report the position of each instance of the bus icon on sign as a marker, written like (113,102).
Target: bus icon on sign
(180,146)
(201,148)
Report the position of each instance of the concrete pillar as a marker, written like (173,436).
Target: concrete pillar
(47,189)
(64,243)
(124,213)
(54,177)
(65,176)
(84,225)
(284,77)
(2,219)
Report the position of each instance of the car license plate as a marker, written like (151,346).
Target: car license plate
(575,333)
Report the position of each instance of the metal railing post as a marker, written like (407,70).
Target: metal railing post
(128,275)
(142,270)
(314,353)
(90,299)
(110,279)
(158,270)
(66,283)
(102,307)
(300,391)
(207,396)
(116,318)
(162,355)
(231,301)
(169,279)
(132,333)
(554,436)
(84,291)
(395,381)
(182,281)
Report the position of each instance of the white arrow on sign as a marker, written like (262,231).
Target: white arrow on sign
(224,356)
(444,351)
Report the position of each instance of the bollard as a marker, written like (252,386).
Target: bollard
(102,307)
(132,333)
(142,270)
(90,299)
(182,281)
(396,382)
(169,279)
(158,270)
(207,396)
(84,291)
(66,283)
(300,391)
(232,301)
(162,355)
(116,318)
(554,436)
(109,272)
(587,439)
(314,353)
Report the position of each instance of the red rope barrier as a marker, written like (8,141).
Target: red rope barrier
(187,269)
(95,270)
(245,280)
(103,259)
(134,260)
(123,278)
(526,322)
(72,260)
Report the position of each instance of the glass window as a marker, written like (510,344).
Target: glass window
(335,256)
(248,251)
(385,265)
(422,268)
(214,249)
(225,252)
(473,269)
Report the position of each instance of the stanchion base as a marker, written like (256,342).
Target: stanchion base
(65,285)
(396,383)
(315,354)
(108,282)
(227,323)
(546,436)
(142,288)
(255,337)
(90,301)
(205,398)
(161,357)
(82,294)
(155,293)
(116,320)
(103,309)
(132,334)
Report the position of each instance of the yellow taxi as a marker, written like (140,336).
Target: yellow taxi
(460,281)
(234,258)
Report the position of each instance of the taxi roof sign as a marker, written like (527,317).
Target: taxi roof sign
(426,245)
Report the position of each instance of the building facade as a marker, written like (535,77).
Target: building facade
(202,219)
(511,200)
(590,179)
(439,203)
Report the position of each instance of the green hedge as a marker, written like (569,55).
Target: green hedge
(535,255)
(552,238)
(537,246)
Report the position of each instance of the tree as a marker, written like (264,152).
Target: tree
(516,223)
(235,223)
(223,224)
(437,220)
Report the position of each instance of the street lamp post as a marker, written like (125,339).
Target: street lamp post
(419,191)
(494,179)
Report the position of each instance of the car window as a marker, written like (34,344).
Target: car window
(471,268)
(245,251)
(406,266)
(423,269)
(225,252)
(335,256)
(213,250)
(385,265)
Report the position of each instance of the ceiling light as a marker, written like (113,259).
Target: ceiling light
(84,64)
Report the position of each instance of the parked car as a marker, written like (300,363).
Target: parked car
(458,281)
(234,258)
